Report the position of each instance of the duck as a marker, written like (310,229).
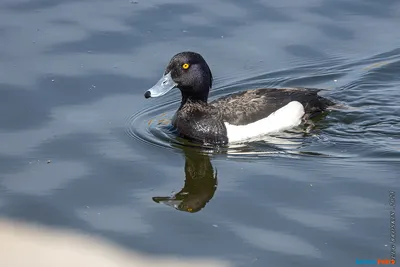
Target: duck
(233,118)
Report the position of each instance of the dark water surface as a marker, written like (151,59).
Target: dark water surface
(72,78)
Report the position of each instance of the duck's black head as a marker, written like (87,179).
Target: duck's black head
(187,71)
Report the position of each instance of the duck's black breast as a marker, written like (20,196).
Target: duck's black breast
(200,122)
(249,106)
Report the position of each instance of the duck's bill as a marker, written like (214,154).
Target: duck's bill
(163,86)
(174,203)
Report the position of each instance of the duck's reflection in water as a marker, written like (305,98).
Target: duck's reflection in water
(200,183)
(200,177)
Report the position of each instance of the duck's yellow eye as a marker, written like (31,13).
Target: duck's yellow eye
(185,66)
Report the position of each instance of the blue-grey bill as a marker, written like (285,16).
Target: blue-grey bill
(163,86)
(169,201)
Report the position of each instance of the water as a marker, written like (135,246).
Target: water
(82,149)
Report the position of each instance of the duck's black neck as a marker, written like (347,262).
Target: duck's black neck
(190,95)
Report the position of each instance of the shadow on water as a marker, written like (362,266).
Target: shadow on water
(200,183)
(201,178)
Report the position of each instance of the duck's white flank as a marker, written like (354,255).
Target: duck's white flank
(282,119)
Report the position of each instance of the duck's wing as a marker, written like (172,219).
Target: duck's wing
(249,106)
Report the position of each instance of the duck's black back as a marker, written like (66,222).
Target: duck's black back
(249,106)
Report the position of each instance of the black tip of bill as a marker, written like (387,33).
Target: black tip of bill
(147,94)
